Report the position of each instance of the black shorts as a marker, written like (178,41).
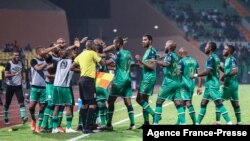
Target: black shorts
(17,90)
(87,89)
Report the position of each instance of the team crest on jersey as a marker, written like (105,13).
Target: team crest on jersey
(63,65)
(169,58)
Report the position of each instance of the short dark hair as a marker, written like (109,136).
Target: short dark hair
(148,36)
(213,46)
(232,48)
(119,39)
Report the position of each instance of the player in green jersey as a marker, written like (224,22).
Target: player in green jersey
(101,93)
(188,66)
(212,84)
(148,77)
(121,86)
(230,89)
(170,88)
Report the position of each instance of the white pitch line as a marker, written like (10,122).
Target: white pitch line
(116,123)
(78,137)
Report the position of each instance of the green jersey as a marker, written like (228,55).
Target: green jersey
(122,60)
(230,64)
(149,75)
(212,79)
(171,72)
(102,68)
(188,67)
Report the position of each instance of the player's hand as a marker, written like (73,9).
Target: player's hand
(111,55)
(102,54)
(84,39)
(161,56)
(152,60)
(138,57)
(77,43)
(125,40)
(199,91)
(18,73)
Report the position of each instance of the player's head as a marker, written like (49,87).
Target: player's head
(210,47)
(118,43)
(100,44)
(228,50)
(64,53)
(15,56)
(90,45)
(60,41)
(147,40)
(170,46)
(39,51)
(182,52)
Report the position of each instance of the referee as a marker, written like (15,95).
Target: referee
(87,61)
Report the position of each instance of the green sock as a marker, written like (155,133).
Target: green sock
(55,122)
(50,122)
(22,111)
(131,114)
(45,120)
(158,111)
(237,113)
(192,113)
(181,114)
(50,125)
(201,114)
(102,113)
(224,112)
(145,116)
(178,122)
(32,114)
(40,118)
(217,114)
(46,116)
(146,106)
(69,121)
(110,115)
(103,116)
(6,114)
